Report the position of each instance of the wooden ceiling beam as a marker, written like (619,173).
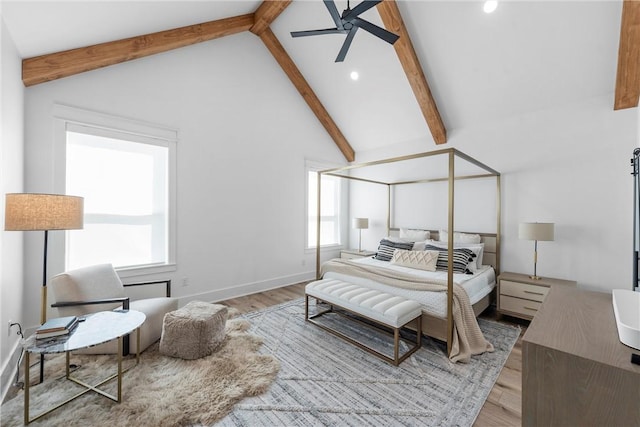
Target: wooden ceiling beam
(291,70)
(390,14)
(57,65)
(266,13)
(628,75)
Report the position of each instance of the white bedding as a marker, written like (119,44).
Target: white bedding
(477,285)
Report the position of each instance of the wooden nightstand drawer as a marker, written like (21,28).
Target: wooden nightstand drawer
(521,306)
(521,296)
(523,290)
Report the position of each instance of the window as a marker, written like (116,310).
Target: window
(127,181)
(330,217)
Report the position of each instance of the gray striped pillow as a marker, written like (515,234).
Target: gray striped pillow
(387,247)
(461,259)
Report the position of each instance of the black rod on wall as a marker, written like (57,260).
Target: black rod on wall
(635,164)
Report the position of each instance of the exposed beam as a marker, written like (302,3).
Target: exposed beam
(266,13)
(628,76)
(294,74)
(54,66)
(390,14)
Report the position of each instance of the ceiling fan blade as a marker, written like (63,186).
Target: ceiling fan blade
(385,35)
(345,46)
(362,7)
(317,32)
(333,10)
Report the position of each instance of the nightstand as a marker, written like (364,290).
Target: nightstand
(350,254)
(521,296)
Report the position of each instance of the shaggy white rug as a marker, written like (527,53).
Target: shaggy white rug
(160,391)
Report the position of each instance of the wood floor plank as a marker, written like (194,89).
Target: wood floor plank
(503,406)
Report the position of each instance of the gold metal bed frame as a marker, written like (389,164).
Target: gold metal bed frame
(440,328)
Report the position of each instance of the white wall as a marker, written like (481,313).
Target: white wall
(11,180)
(244,135)
(568,165)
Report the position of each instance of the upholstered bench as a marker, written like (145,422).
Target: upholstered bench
(193,331)
(378,307)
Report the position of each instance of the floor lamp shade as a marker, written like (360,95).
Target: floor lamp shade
(31,212)
(537,231)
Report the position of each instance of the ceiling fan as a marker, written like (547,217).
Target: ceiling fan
(348,23)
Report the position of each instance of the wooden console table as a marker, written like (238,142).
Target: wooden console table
(575,371)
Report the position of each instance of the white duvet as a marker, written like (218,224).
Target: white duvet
(477,285)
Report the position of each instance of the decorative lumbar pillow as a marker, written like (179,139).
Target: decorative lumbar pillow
(462,257)
(386,248)
(422,260)
(414,235)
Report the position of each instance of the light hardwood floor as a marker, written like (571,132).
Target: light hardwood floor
(503,406)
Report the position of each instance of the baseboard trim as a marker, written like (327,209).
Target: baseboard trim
(8,374)
(248,288)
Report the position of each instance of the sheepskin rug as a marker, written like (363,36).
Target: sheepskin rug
(160,391)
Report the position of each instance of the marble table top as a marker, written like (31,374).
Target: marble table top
(97,328)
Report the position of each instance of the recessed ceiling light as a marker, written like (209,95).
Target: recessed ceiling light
(490,6)
(354,75)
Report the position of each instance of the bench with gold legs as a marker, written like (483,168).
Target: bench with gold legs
(377,307)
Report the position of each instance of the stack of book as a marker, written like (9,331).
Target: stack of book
(56,327)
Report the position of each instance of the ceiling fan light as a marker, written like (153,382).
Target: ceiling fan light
(490,6)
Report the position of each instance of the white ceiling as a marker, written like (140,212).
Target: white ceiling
(526,56)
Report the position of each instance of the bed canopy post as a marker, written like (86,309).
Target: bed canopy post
(450,254)
(319,186)
(388,209)
(498,224)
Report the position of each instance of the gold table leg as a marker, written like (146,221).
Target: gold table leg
(87,387)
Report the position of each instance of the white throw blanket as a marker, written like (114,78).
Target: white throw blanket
(468,339)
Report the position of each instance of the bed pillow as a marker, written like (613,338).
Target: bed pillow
(414,235)
(386,248)
(443,235)
(417,246)
(477,248)
(422,260)
(462,257)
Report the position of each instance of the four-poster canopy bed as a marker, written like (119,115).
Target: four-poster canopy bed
(416,169)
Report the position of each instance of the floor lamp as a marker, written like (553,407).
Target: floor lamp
(43,212)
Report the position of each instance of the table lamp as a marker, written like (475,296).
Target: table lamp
(536,231)
(360,224)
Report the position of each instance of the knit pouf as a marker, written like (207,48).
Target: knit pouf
(193,331)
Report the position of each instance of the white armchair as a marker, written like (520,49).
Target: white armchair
(98,288)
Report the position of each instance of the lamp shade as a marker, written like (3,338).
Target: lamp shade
(542,231)
(31,211)
(360,223)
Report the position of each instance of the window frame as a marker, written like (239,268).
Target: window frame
(315,166)
(71,118)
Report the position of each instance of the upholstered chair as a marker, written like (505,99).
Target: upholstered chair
(98,288)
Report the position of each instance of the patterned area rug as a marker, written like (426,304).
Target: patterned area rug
(326,381)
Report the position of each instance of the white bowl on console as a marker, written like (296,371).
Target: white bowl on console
(626,306)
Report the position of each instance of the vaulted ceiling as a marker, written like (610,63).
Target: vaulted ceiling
(454,66)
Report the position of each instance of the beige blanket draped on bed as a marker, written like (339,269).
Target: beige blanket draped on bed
(468,339)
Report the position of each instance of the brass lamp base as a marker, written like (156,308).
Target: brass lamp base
(535,277)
